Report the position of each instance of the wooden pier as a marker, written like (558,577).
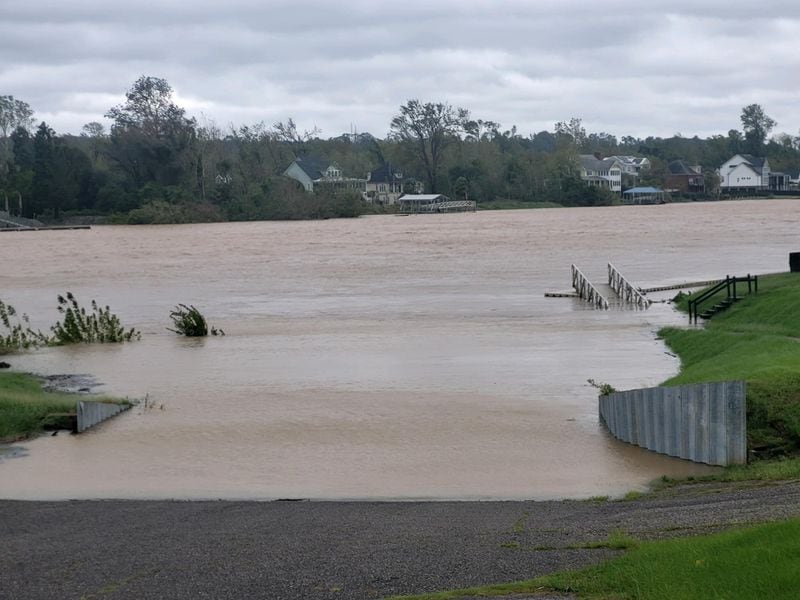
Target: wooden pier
(680,286)
(586,289)
(623,289)
(627,292)
(45,228)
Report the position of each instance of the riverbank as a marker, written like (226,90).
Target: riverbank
(755,340)
(341,550)
(30,404)
(25,406)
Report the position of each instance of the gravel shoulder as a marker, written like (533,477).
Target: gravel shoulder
(339,550)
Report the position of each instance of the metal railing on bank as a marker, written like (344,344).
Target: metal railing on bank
(729,284)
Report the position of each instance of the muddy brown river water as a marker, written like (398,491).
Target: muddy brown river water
(381,357)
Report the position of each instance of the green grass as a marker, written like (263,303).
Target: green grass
(752,563)
(598,499)
(633,495)
(757,562)
(616,540)
(758,340)
(779,469)
(24,405)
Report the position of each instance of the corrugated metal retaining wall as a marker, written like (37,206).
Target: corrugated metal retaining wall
(92,413)
(703,422)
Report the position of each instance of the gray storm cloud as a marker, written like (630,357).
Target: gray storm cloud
(653,68)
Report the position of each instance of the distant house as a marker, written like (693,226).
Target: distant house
(384,185)
(632,165)
(605,173)
(744,173)
(685,178)
(314,172)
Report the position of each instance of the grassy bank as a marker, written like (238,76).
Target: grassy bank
(758,340)
(25,406)
(756,562)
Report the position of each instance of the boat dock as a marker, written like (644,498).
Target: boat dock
(619,289)
(10,222)
(50,228)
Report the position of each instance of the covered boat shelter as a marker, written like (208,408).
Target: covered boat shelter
(433,203)
(644,195)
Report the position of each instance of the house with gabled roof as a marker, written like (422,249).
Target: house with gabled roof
(315,171)
(606,173)
(384,184)
(685,178)
(633,165)
(744,172)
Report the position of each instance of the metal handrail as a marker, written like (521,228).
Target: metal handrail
(729,283)
(625,289)
(586,290)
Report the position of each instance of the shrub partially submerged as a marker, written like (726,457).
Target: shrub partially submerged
(604,389)
(79,326)
(19,335)
(190,322)
(100,326)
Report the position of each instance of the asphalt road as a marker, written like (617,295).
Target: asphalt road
(335,550)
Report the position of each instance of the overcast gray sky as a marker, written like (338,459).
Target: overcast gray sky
(649,67)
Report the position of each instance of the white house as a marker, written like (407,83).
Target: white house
(744,172)
(606,173)
(633,165)
(314,171)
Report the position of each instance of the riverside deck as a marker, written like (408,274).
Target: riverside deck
(622,288)
(45,228)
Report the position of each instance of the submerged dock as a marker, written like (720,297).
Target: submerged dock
(45,228)
(619,288)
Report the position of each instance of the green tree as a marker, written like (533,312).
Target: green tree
(480,130)
(14,114)
(17,181)
(151,138)
(756,125)
(96,134)
(429,129)
(571,131)
(656,175)
(60,175)
(461,188)
(711,181)
(43,170)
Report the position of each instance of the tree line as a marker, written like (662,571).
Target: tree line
(156,164)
